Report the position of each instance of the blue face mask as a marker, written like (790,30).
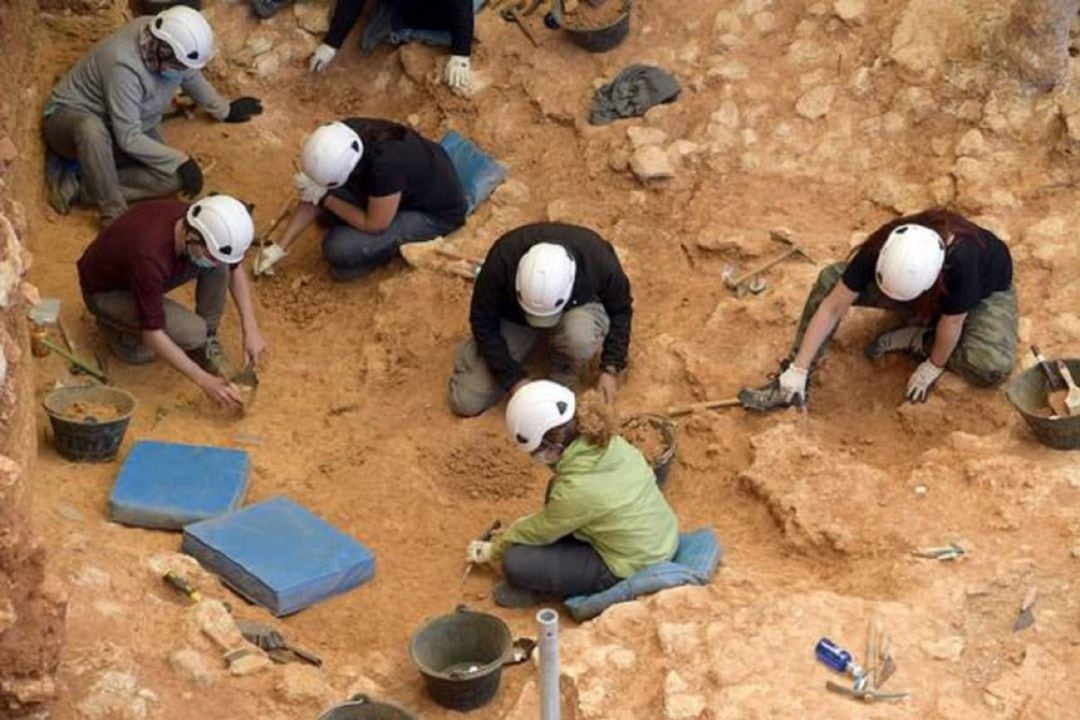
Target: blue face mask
(173,75)
(203,263)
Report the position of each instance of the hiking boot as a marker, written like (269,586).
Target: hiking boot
(211,356)
(910,340)
(62,178)
(126,346)
(508,596)
(770,396)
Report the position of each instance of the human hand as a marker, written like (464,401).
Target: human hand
(793,383)
(608,385)
(268,257)
(243,109)
(458,74)
(223,392)
(191,177)
(479,551)
(322,57)
(309,190)
(254,347)
(922,380)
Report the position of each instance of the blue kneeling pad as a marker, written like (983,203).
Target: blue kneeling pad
(279,555)
(167,485)
(695,562)
(478,172)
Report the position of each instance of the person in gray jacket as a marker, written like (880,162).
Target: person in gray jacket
(106,114)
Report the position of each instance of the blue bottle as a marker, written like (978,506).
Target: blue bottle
(838,659)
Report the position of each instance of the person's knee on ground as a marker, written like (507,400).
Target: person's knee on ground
(349,256)
(983,368)
(471,389)
(579,336)
(519,569)
(189,333)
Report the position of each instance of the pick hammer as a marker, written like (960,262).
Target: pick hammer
(794,248)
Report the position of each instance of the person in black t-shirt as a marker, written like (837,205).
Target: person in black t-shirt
(553,277)
(384,185)
(950,278)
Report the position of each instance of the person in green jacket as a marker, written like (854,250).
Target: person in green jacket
(604,519)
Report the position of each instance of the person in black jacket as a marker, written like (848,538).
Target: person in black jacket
(439,22)
(546,276)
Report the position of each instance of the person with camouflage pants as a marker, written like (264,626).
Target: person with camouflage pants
(950,280)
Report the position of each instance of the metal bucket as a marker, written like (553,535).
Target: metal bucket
(596,39)
(461,656)
(662,464)
(360,707)
(88,438)
(1027,392)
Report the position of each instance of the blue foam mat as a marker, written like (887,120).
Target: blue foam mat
(168,485)
(478,172)
(279,555)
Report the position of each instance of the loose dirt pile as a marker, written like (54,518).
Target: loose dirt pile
(82,411)
(646,435)
(489,471)
(586,16)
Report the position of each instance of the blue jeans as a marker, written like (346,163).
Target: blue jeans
(353,254)
(385,26)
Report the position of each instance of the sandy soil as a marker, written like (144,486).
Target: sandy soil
(815,511)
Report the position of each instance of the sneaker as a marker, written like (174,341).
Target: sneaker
(126,346)
(508,596)
(62,178)
(770,396)
(211,356)
(910,340)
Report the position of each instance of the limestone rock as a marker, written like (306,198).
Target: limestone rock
(8,616)
(312,17)
(193,665)
(861,83)
(730,70)
(927,31)
(30,691)
(115,695)
(527,706)
(303,684)
(806,53)
(915,102)
(511,192)
(1036,41)
(900,196)
(682,639)
(11,265)
(817,102)
(950,648)
(641,136)
(8,151)
(651,163)
(766,22)
(972,144)
(249,664)
(851,11)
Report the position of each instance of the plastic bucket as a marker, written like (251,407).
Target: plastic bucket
(83,436)
(461,656)
(663,463)
(1027,393)
(360,707)
(596,39)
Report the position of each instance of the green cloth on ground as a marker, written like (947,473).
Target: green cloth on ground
(607,497)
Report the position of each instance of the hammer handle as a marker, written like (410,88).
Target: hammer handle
(762,268)
(676,410)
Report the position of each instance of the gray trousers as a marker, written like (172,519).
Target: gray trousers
(110,178)
(565,568)
(577,338)
(185,328)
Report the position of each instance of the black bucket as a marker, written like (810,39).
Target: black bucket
(1027,392)
(461,656)
(86,437)
(360,707)
(596,39)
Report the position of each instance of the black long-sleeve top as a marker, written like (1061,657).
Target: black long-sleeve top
(599,278)
(453,15)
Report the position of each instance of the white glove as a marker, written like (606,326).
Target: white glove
(793,383)
(924,377)
(322,57)
(479,551)
(268,258)
(458,74)
(309,190)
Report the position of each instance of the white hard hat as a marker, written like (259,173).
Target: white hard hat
(910,262)
(544,283)
(535,408)
(187,32)
(225,225)
(331,153)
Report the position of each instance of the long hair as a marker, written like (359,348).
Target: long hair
(946,224)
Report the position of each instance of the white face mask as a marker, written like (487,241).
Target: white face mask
(173,75)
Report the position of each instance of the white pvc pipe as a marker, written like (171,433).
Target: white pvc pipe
(547,621)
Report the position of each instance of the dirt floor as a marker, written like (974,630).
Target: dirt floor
(825,119)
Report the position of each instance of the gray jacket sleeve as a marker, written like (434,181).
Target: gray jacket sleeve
(201,91)
(123,98)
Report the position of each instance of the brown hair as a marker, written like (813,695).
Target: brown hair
(598,421)
(946,224)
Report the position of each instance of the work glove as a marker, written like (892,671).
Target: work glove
(268,257)
(309,190)
(479,551)
(793,384)
(243,109)
(191,179)
(322,57)
(458,74)
(924,377)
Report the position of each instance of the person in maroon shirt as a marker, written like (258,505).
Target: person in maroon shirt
(156,247)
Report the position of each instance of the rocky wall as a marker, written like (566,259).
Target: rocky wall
(31,605)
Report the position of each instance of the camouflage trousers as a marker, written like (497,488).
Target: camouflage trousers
(986,351)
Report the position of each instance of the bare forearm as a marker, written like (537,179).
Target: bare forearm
(171,353)
(946,338)
(303,216)
(819,329)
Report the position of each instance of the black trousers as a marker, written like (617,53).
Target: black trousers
(565,568)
